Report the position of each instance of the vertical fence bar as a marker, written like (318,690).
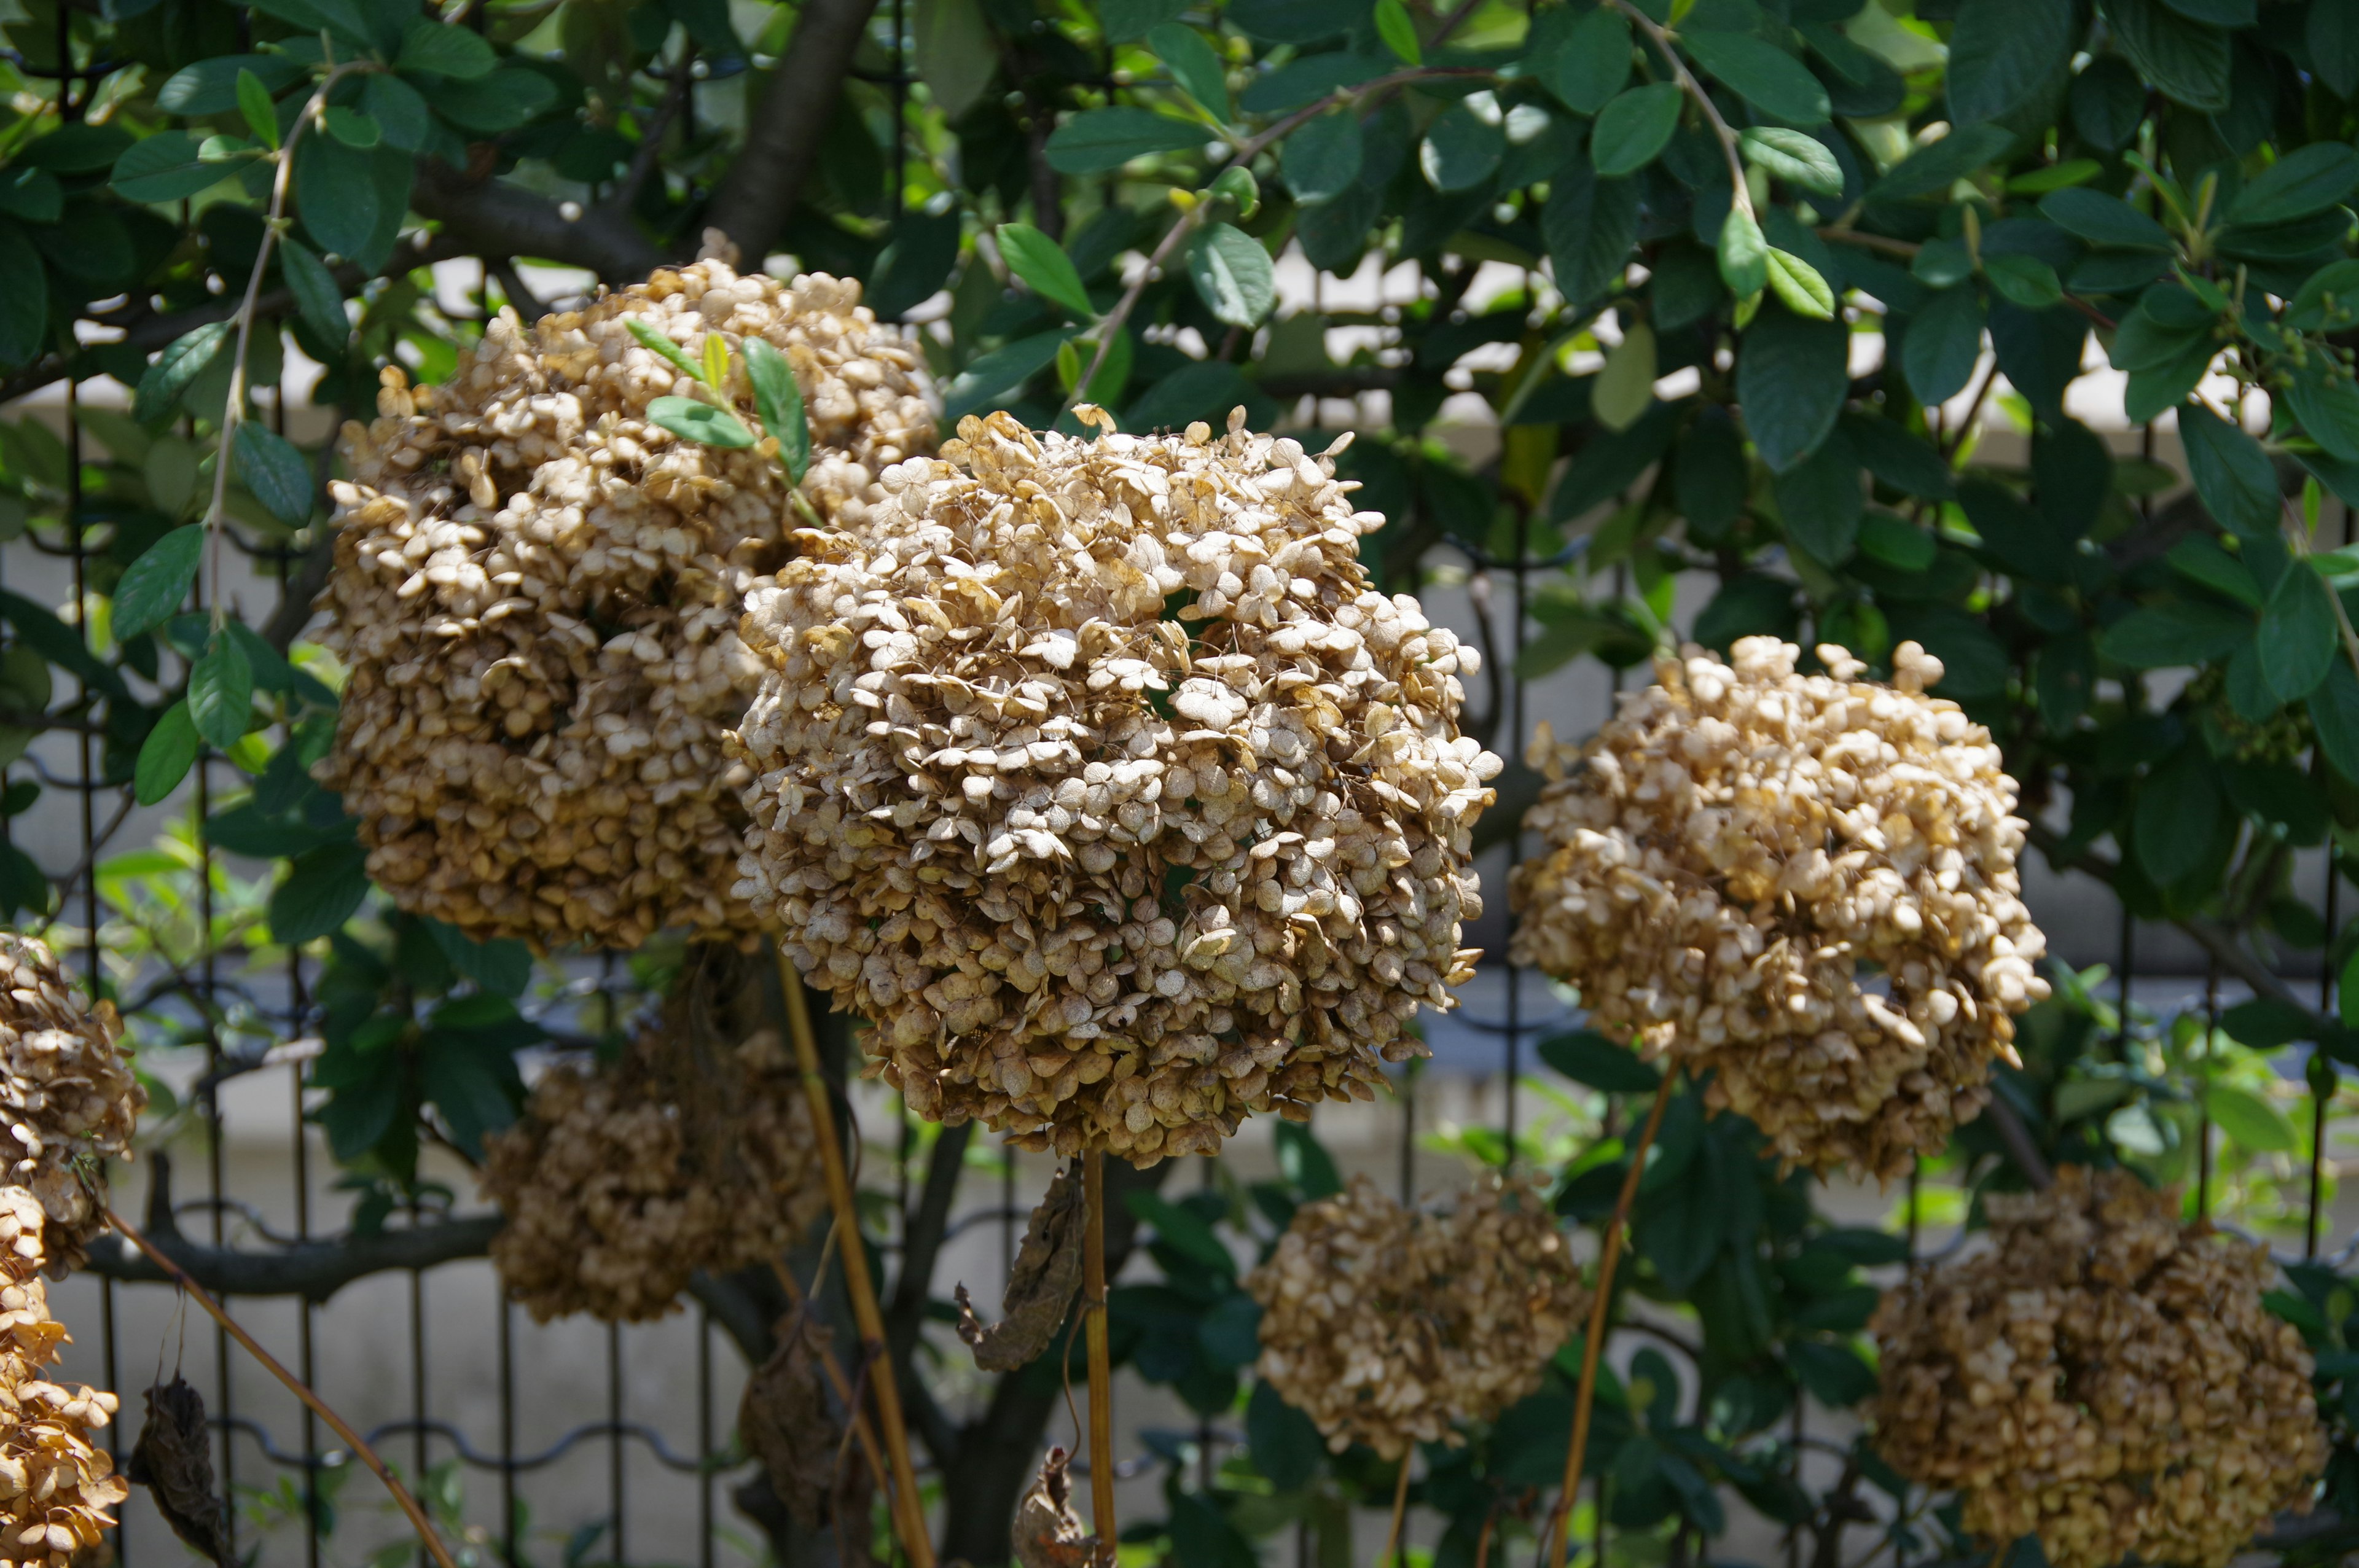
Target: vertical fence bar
(614,1518)
(508,1542)
(704,1448)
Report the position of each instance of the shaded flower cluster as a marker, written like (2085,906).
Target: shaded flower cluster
(621,1181)
(1804,885)
(2102,1377)
(1097,774)
(71,1097)
(1389,1326)
(536,594)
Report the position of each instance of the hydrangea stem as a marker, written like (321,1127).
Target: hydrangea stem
(908,1511)
(1094,1302)
(1593,1344)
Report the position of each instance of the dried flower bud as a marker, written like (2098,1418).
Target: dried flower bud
(55,1484)
(536,592)
(71,1100)
(620,1182)
(2102,1377)
(1387,1327)
(1100,778)
(1803,885)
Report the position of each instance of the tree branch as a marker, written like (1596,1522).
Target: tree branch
(491,217)
(922,1244)
(783,136)
(315,1271)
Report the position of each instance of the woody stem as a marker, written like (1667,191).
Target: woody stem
(1093,1303)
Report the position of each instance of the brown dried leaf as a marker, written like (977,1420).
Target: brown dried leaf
(174,1460)
(1049,1533)
(1040,1288)
(788,1423)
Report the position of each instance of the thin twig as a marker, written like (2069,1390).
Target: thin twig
(1093,1306)
(1687,84)
(1394,1550)
(645,157)
(295,1386)
(908,1511)
(2020,1148)
(1592,1346)
(233,406)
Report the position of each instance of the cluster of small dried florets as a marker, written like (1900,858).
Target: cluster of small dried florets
(1802,884)
(2104,1377)
(536,592)
(57,1486)
(1389,1326)
(71,1097)
(1097,774)
(621,1181)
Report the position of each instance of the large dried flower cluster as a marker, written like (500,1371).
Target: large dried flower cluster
(1804,885)
(1102,780)
(620,1182)
(1388,1325)
(56,1484)
(536,591)
(2102,1377)
(70,1097)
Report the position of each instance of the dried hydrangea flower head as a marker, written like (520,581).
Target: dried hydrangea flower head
(2103,1377)
(1804,885)
(1104,781)
(57,1484)
(1387,1325)
(71,1100)
(536,594)
(621,1181)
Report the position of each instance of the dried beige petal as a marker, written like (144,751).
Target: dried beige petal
(2102,1377)
(73,1101)
(536,594)
(621,1182)
(1387,1325)
(1097,774)
(1802,885)
(58,1487)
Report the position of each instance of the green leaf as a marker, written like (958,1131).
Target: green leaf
(2335,713)
(40,630)
(2306,180)
(1743,253)
(170,166)
(221,692)
(154,587)
(1099,141)
(454,51)
(1125,21)
(2177,815)
(1461,150)
(957,54)
(2004,54)
(1321,159)
(184,359)
(2333,37)
(1933,168)
(32,194)
(1897,459)
(1792,375)
(314,288)
(489,105)
(1593,62)
(1761,73)
(2104,220)
(779,402)
(657,341)
(1589,225)
(1797,158)
(2199,557)
(1798,283)
(165,756)
(2253,1121)
(1194,65)
(271,467)
(1624,386)
(2175,632)
(699,423)
(1681,1227)
(1233,275)
(350,127)
(1305,1162)
(1399,31)
(1632,131)
(2023,280)
(1819,502)
(2188,61)
(336,192)
(1183,1232)
(2230,471)
(1588,1057)
(324,888)
(25,304)
(260,113)
(2298,634)
(1045,268)
(211,86)
(2326,401)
